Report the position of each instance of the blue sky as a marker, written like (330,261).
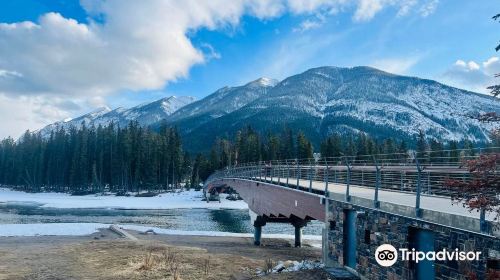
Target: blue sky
(73,56)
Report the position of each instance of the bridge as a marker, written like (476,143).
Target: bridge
(407,186)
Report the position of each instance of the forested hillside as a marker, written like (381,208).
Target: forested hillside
(133,158)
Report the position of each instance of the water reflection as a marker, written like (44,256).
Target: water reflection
(231,221)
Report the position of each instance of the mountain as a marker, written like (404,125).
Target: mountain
(221,103)
(324,100)
(319,102)
(146,114)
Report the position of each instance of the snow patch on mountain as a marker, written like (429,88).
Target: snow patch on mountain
(145,114)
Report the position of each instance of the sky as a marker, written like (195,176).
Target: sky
(62,58)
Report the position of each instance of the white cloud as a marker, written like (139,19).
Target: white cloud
(472,75)
(6,74)
(310,23)
(134,45)
(406,6)
(367,9)
(129,45)
(396,65)
(492,66)
(210,52)
(428,8)
(19,114)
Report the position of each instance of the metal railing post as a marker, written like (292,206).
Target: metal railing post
(310,176)
(418,211)
(483,226)
(288,172)
(325,175)
(298,173)
(376,202)
(265,172)
(401,185)
(428,183)
(348,180)
(260,171)
(279,173)
(271,171)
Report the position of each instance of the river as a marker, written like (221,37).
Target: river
(197,219)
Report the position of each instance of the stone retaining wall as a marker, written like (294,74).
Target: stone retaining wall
(375,227)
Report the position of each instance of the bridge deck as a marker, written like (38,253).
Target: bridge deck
(428,202)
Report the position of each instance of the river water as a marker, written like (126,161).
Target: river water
(236,221)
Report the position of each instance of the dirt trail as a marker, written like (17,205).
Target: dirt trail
(106,256)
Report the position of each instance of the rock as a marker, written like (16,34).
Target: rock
(279,268)
(288,264)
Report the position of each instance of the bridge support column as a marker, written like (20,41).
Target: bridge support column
(298,225)
(298,236)
(257,235)
(258,224)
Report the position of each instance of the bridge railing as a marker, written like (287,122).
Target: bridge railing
(418,173)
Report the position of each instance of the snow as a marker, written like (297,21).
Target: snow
(80,229)
(292,266)
(266,82)
(146,114)
(50,229)
(185,199)
(215,233)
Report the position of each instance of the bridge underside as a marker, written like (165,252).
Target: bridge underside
(275,204)
(274,201)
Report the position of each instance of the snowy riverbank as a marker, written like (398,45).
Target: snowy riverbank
(185,199)
(81,229)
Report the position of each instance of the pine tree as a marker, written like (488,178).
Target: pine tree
(304,147)
(422,147)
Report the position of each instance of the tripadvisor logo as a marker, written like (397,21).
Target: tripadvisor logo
(386,255)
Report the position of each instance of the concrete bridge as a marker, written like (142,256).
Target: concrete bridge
(365,202)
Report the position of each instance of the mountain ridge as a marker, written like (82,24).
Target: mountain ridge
(145,113)
(328,99)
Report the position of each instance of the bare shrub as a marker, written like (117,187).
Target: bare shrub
(175,270)
(171,263)
(169,258)
(148,262)
(206,266)
(268,266)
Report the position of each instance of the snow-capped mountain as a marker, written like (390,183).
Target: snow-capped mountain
(324,100)
(144,114)
(318,102)
(222,102)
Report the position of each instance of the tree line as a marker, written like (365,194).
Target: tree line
(134,158)
(94,159)
(251,146)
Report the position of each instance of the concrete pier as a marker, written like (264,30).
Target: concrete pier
(298,236)
(298,224)
(257,235)
(258,224)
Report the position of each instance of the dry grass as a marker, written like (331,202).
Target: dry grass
(160,260)
(167,262)
(150,259)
